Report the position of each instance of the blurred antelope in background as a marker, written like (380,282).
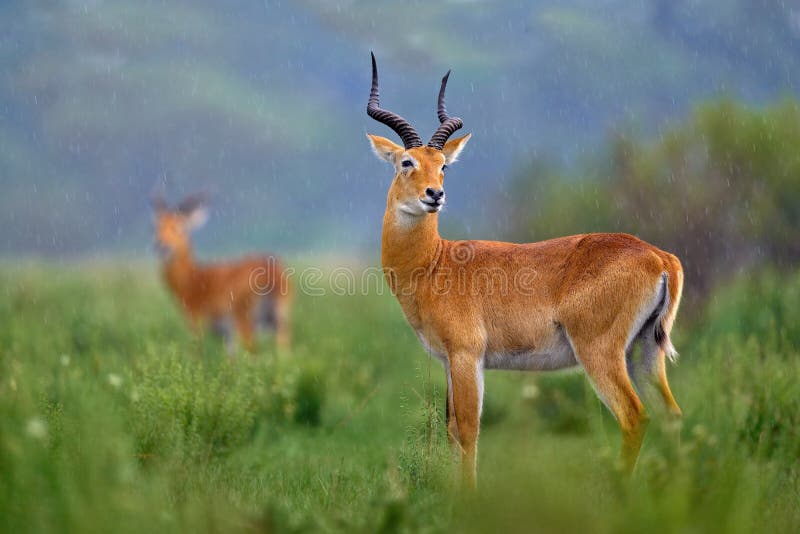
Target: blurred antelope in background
(584,300)
(244,295)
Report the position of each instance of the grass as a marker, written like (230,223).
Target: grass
(112,418)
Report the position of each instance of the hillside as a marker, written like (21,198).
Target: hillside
(263,104)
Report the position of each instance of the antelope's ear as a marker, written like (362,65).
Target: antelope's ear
(385,149)
(194,210)
(453,148)
(197,217)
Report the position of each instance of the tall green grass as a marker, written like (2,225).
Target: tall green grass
(112,418)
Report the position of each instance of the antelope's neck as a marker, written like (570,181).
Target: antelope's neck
(411,248)
(179,270)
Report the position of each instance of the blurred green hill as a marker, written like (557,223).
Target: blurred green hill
(263,104)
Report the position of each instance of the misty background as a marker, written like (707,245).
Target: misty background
(575,107)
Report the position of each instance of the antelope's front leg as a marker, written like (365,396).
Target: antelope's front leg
(450,417)
(465,396)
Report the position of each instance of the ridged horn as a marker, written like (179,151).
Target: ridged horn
(394,121)
(448,124)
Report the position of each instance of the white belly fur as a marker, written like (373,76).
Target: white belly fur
(557,356)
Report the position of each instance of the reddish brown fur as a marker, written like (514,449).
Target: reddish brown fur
(590,289)
(219,291)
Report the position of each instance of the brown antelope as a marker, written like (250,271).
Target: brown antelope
(244,294)
(581,300)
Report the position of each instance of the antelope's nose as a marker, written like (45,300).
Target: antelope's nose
(435,194)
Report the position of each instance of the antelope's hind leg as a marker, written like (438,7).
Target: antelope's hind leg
(273,315)
(651,374)
(222,327)
(282,322)
(605,365)
(245,329)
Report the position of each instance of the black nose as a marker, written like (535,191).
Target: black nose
(435,194)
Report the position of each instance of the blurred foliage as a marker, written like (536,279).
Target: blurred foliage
(561,403)
(719,190)
(113,419)
(209,410)
(747,328)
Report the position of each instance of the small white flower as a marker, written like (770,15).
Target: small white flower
(64,360)
(36,428)
(530,391)
(114,380)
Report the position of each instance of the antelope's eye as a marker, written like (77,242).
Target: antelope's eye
(407,163)
(444,168)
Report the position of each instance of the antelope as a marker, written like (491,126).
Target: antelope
(584,300)
(243,295)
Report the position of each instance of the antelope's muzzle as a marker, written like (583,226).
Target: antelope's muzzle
(433,200)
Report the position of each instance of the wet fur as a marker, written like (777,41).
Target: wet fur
(242,295)
(591,297)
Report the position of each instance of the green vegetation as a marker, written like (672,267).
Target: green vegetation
(113,419)
(720,190)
